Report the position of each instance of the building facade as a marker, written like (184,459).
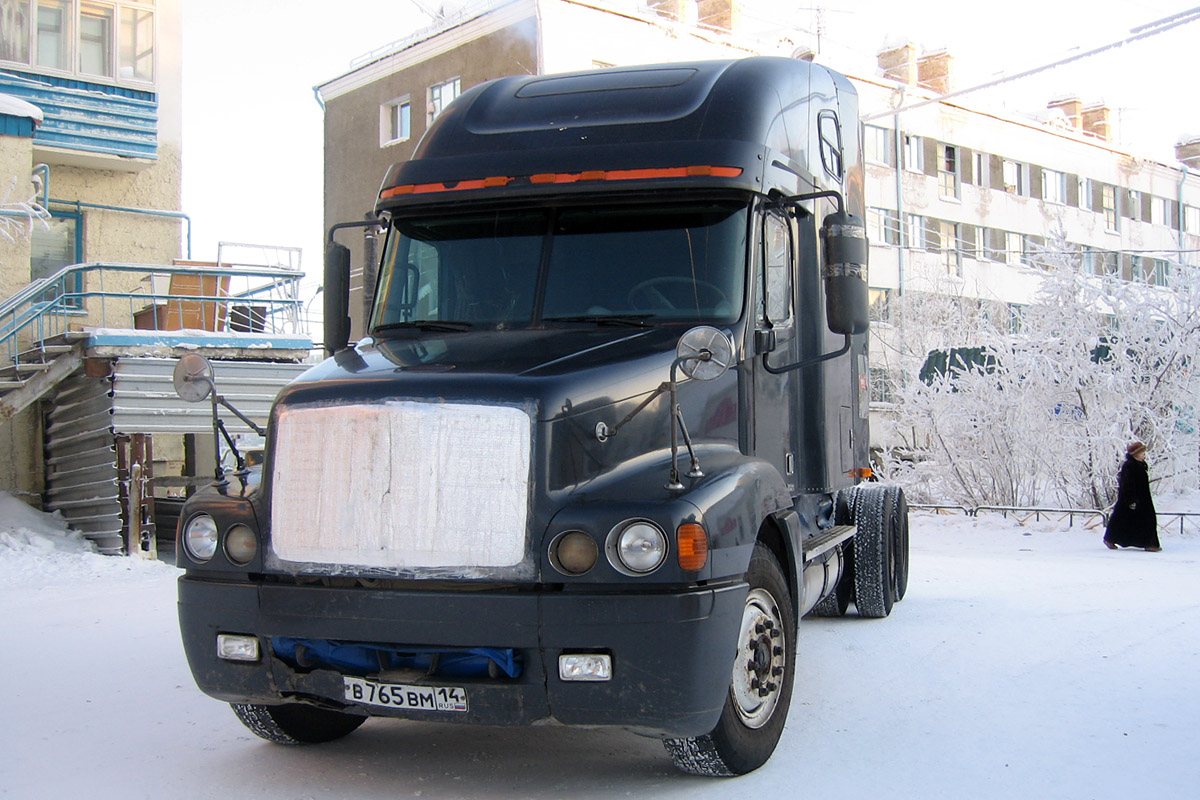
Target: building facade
(86,176)
(961,201)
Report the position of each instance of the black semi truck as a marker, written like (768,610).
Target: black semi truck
(604,441)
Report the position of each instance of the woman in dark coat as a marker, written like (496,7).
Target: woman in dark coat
(1133,522)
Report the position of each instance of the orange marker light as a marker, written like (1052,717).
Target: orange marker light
(692,541)
(699,170)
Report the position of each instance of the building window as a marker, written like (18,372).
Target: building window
(983,169)
(1016,178)
(53,34)
(1108,205)
(914,232)
(53,246)
(1162,272)
(14,31)
(879,310)
(1054,187)
(395,121)
(948,172)
(1191,219)
(1016,318)
(881,386)
(135,60)
(951,255)
(876,148)
(95,40)
(914,153)
(883,226)
(441,95)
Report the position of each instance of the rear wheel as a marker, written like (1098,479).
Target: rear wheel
(296,723)
(874,547)
(897,513)
(760,689)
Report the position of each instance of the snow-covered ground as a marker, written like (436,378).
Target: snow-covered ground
(1025,662)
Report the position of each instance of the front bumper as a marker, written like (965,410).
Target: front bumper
(672,652)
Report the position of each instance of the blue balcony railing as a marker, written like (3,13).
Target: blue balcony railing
(180,300)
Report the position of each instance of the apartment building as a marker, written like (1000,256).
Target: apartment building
(961,200)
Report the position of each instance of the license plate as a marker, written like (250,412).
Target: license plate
(401,695)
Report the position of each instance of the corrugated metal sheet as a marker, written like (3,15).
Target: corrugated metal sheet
(144,399)
(87,116)
(81,462)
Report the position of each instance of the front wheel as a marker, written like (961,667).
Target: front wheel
(296,723)
(760,688)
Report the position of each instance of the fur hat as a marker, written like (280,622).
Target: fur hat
(1135,449)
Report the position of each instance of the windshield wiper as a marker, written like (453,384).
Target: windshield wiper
(631,320)
(440,326)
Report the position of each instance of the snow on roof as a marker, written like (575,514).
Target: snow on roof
(16,107)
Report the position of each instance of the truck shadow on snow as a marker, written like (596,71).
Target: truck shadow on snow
(443,760)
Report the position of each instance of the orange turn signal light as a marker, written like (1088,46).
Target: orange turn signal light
(692,546)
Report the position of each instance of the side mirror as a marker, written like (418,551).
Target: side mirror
(193,378)
(337,298)
(845,272)
(704,353)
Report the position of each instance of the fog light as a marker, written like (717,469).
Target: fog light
(233,647)
(240,545)
(585,667)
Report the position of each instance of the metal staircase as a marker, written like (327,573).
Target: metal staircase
(96,343)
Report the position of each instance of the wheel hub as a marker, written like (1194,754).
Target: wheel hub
(761,660)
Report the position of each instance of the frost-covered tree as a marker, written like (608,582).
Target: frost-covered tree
(997,409)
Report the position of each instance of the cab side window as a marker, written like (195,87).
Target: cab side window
(777,278)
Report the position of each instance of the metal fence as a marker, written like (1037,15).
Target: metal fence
(1181,522)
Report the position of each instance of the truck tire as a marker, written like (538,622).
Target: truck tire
(874,562)
(760,690)
(897,512)
(296,723)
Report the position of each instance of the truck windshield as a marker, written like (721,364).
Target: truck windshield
(638,265)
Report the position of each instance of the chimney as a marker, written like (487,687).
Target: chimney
(1072,109)
(1187,150)
(670,9)
(933,71)
(1095,122)
(899,63)
(719,15)
(681,11)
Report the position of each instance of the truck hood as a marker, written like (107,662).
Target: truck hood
(560,369)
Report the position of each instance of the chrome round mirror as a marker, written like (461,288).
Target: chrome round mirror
(193,378)
(705,353)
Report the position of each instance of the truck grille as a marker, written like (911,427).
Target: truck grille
(401,485)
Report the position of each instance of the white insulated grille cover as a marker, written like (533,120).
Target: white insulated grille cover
(402,485)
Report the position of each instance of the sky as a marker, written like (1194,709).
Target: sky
(1024,662)
(253,129)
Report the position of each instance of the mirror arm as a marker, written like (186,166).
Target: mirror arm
(832,193)
(808,361)
(254,426)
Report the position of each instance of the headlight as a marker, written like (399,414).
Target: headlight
(640,547)
(200,537)
(240,545)
(573,552)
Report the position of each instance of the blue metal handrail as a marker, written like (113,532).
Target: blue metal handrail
(45,308)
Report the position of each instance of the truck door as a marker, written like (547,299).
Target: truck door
(774,394)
